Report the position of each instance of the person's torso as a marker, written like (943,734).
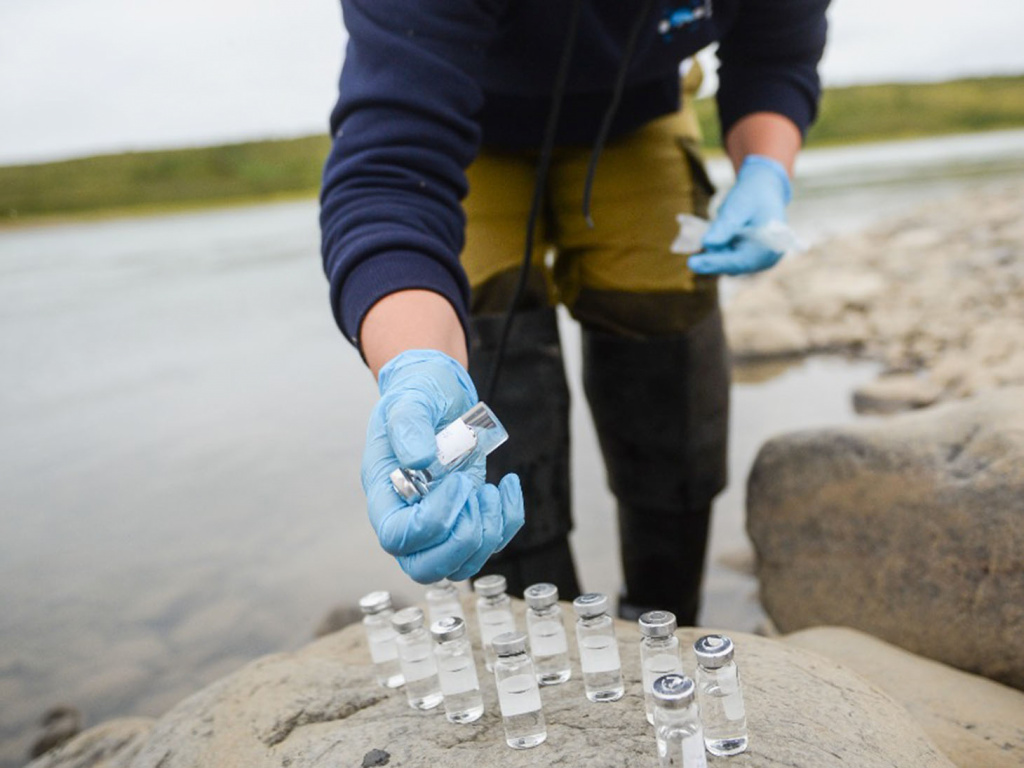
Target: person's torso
(521,65)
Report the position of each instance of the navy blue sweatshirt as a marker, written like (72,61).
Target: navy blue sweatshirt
(426,82)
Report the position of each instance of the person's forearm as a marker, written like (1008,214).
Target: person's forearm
(764,133)
(412,319)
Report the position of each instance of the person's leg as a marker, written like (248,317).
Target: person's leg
(655,362)
(532,397)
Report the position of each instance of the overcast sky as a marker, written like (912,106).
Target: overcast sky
(87,76)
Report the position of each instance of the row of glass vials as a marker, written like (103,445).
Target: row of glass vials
(437,666)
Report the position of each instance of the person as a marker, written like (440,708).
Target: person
(465,128)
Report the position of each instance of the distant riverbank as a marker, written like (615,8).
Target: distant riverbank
(146,182)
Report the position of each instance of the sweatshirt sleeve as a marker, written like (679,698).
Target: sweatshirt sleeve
(404,131)
(769,61)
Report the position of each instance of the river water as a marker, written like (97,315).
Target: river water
(181,428)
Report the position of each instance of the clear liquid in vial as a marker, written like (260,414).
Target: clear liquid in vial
(655,667)
(521,711)
(681,746)
(724,716)
(550,652)
(421,683)
(492,624)
(602,670)
(462,700)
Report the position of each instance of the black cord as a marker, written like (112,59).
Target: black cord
(613,107)
(543,167)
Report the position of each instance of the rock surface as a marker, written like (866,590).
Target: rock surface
(895,393)
(321,707)
(910,528)
(975,721)
(939,292)
(111,745)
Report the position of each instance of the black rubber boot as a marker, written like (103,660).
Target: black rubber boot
(661,408)
(532,401)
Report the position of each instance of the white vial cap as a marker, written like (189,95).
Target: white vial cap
(489,586)
(674,691)
(408,619)
(509,643)
(713,651)
(541,595)
(658,624)
(375,602)
(448,628)
(590,605)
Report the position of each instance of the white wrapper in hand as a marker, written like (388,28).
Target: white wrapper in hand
(691,232)
(776,235)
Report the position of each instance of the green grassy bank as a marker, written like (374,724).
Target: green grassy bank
(145,181)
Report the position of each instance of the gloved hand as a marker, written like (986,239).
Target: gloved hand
(454,529)
(760,196)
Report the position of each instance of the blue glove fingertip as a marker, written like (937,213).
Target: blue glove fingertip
(512,508)
(699,265)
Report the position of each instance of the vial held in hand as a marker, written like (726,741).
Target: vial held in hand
(477,432)
(720,695)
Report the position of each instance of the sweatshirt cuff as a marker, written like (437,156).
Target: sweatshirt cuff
(380,276)
(779,96)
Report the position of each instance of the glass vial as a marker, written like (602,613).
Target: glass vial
(380,635)
(443,601)
(518,692)
(677,723)
(548,642)
(456,670)
(659,652)
(493,613)
(599,652)
(477,432)
(416,655)
(721,696)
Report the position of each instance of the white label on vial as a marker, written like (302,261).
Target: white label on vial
(518,695)
(599,654)
(732,701)
(693,752)
(455,440)
(733,707)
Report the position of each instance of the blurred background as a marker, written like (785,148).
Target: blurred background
(180,422)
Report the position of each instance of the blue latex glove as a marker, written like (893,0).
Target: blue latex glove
(452,531)
(760,196)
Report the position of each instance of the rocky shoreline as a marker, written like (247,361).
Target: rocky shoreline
(909,528)
(936,296)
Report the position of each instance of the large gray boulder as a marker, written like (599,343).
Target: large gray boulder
(910,528)
(974,721)
(321,707)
